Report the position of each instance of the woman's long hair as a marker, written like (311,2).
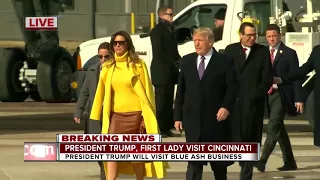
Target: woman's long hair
(133,56)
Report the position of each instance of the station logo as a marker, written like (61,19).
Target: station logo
(41,23)
(40,151)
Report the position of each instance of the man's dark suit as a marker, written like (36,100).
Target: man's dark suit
(164,73)
(254,81)
(85,101)
(198,101)
(280,101)
(313,63)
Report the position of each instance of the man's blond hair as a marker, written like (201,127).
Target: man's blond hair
(205,32)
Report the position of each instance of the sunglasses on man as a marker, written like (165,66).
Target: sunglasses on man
(169,14)
(105,57)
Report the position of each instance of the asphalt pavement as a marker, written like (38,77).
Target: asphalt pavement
(40,122)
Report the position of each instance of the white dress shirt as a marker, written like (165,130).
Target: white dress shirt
(275,50)
(275,86)
(247,51)
(207,59)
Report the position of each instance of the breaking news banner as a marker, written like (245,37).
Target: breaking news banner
(135,147)
(41,23)
(158,152)
(41,151)
(91,138)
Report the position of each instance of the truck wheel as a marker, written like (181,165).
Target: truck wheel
(11,61)
(310,109)
(54,73)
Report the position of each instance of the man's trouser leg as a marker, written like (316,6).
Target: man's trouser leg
(164,107)
(286,149)
(194,171)
(246,170)
(102,172)
(219,171)
(94,127)
(276,131)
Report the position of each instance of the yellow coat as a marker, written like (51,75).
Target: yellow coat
(141,84)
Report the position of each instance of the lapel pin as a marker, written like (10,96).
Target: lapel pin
(280,51)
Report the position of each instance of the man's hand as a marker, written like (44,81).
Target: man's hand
(178,126)
(77,120)
(299,106)
(222,114)
(277,80)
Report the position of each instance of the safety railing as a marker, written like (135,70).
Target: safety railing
(144,28)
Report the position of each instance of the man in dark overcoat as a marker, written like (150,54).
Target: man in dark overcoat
(164,70)
(313,64)
(205,96)
(86,96)
(254,74)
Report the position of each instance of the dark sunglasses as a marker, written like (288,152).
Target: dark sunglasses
(105,57)
(121,43)
(169,14)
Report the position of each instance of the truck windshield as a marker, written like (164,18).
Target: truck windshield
(261,11)
(200,16)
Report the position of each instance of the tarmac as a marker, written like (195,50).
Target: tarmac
(40,122)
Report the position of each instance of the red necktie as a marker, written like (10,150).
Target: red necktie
(245,50)
(271,59)
(272,55)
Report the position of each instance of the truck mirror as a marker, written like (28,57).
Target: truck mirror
(182,34)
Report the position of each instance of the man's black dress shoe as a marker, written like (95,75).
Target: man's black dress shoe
(288,168)
(169,134)
(260,166)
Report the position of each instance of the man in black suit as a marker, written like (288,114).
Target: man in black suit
(86,97)
(313,64)
(281,99)
(164,70)
(205,96)
(254,70)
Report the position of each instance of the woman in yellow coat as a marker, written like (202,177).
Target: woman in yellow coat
(125,102)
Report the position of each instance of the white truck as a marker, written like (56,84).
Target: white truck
(201,14)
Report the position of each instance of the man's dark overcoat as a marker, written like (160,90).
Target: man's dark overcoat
(198,101)
(254,77)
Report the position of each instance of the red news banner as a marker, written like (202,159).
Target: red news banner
(146,148)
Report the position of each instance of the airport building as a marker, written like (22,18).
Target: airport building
(88,19)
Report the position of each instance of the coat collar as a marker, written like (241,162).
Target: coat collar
(144,91)
(209,66)
(96,69)
(278,55)
(244,60)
